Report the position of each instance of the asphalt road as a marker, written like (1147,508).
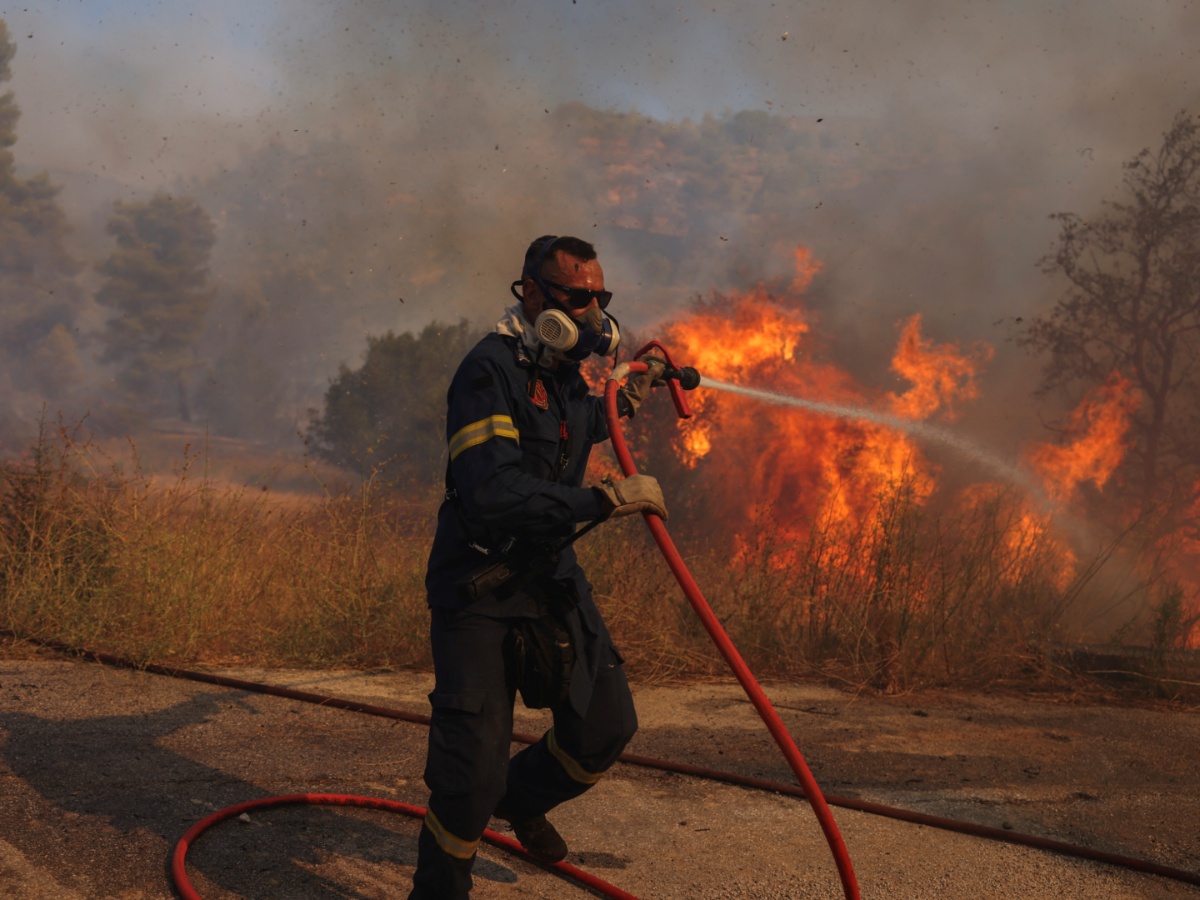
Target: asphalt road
(102,770)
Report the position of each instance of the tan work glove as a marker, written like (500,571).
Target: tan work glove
(637,388)
(637,493)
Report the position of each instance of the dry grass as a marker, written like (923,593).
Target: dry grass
(190,570)
(981,594)
(183,569)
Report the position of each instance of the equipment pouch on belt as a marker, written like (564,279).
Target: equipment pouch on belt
(513,571)
(545,656)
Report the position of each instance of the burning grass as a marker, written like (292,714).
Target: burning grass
(185,571)
(910,599)
(827,544)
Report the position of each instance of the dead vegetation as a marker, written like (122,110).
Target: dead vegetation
(185,569)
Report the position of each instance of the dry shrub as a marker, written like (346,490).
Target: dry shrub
(183,570)
(95,554)
(968,596)
(651,622)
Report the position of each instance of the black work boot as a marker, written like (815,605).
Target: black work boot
(537,836)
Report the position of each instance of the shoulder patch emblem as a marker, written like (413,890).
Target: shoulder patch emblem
(537,393)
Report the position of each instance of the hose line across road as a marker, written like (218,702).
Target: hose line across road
(100,765)
(880,809)
(807,787)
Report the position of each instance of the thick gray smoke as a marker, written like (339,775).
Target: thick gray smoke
(410,151)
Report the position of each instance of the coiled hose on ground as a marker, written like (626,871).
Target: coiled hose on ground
(878,809)
(808,787)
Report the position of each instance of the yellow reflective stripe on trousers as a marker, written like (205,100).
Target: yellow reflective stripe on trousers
(483,430)
(572,768)
(455,846)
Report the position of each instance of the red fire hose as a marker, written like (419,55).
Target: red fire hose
(179,855)
(774,724)
(633,759)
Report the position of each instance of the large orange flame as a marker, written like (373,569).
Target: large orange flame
(803,466)
(1095,446)
(940,375)
(776,475)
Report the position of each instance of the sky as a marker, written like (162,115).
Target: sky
(1051,97)
(147,89)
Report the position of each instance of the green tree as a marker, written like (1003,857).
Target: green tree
(1132,305)
(389,415)
(39,298)
(157,286)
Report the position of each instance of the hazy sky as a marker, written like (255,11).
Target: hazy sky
(145,90)
(1049,98)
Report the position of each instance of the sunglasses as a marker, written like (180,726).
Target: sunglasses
(580,298)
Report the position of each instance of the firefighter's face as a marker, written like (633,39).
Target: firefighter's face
(568,272)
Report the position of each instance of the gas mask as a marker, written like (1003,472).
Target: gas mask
(556,329)
(577,338)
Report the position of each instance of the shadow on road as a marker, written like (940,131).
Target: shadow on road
(116,770)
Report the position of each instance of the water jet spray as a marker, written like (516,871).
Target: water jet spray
(1079,532)
(997,464)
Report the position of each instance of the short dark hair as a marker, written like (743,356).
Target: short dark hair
(547,245)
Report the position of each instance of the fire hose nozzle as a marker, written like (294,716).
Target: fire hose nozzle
(688,378)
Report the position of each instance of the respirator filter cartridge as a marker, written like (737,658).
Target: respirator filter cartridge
(559,331)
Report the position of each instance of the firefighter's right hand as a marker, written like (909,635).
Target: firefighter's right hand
(637,388)
(637,493)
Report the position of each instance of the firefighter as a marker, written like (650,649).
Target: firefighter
(510,607)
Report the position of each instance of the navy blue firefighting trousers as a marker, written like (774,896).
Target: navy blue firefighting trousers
(468,770)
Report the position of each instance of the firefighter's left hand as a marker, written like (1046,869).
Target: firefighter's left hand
(637,493)
(637,388)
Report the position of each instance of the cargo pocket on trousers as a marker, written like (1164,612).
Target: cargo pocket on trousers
(459,758)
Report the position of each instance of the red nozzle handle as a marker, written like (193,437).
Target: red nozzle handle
(681,404)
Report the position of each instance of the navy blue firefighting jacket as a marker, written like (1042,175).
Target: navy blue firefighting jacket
(519,440)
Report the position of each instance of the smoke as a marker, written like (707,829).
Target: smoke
(414,150)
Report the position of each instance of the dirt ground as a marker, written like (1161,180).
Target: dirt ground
(102,770)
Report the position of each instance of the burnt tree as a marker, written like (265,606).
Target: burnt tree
(1132,305)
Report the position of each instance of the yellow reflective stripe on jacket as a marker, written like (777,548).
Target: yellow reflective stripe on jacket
(455,846)
(570,766)
(483,430)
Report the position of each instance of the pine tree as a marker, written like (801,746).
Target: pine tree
(157,285)
(39,298)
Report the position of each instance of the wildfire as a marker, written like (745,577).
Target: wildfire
(1093,448)
(1096,441)
(940,375)
(802,466)
(774,478)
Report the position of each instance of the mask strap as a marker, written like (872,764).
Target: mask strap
(534,269)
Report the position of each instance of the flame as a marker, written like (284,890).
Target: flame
(1095,441)
(1095,444)
(807,268)
(750,333)
(940,375)
(1034,539)
(774,477)
(802,466)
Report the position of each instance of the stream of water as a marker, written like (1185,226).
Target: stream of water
(1001,467)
